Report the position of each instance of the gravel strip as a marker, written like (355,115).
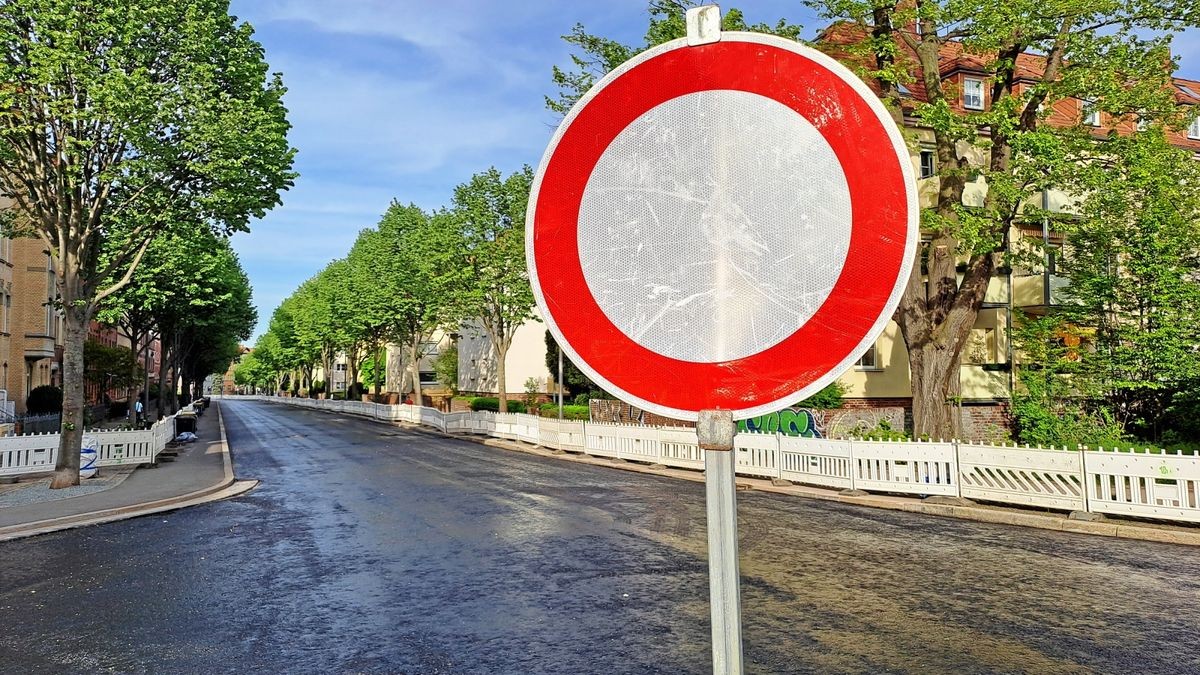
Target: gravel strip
(38,491)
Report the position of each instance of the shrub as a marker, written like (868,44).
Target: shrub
(532,387)
(570,412)
(491,403)
(829,398)
(44,400)
(318,387)
(882,432)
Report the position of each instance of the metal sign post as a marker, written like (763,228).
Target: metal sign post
(714,430)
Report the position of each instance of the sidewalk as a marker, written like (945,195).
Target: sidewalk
(203,472)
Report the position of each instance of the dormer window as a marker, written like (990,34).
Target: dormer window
(1194,129)
(973,93)
(1091,114)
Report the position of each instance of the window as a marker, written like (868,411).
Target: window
(1091,114)
(928,168)
(1194,128)
(973,93)
(869,360)
(1142,123)
(428,377)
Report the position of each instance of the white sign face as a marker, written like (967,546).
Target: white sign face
(692,248)
(722,226)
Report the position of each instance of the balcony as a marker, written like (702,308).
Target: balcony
(39,347)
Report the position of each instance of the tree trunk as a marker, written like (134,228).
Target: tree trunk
(66,469)
(414,361)
(375,375)
(935,382)
(351,369)
(173,389)
(501,352)
(185,388)
(163,366)
(130,391)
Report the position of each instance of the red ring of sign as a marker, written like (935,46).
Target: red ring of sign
(878,197)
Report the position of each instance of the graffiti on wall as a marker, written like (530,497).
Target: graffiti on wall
(790,422)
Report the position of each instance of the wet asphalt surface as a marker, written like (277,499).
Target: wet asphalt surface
(372,549)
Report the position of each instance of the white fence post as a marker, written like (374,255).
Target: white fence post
(957,470)
(850,461)
(1085,489)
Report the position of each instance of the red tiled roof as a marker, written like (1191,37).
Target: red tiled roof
(838,38)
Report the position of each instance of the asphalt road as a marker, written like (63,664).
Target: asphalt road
(372,549)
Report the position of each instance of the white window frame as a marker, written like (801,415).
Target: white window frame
(869,360)
(1089,113)
(1193,131)
(968,97)
(921,154)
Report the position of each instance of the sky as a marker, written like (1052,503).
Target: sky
(404,100)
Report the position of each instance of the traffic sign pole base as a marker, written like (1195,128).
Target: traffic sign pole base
(715,429)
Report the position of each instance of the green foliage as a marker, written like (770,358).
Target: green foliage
(367,371)
(110,367)
(532,385)
(883,431)
(1134,272)
(318,387)
(829,398)
(1057,404)
(492,403)
(570,412)
(585,399)
(44,400)
(573,378)
(595,56)
(446,368)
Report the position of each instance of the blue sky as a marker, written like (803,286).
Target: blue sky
(405,100)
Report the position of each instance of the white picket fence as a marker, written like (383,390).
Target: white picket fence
(38,453)
(1157,485)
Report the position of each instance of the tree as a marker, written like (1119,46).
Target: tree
(574,379)
(415,252)
(1134,268)
(1085,50)
(110,367)
(488,216)
(1036,55)
(120,120)
(599,55)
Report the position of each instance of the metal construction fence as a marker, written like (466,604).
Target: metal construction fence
(1148,484)
(38,453)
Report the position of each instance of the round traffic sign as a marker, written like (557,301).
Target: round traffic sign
(723,226)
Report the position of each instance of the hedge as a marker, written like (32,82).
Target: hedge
(492,404)
(570,412)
